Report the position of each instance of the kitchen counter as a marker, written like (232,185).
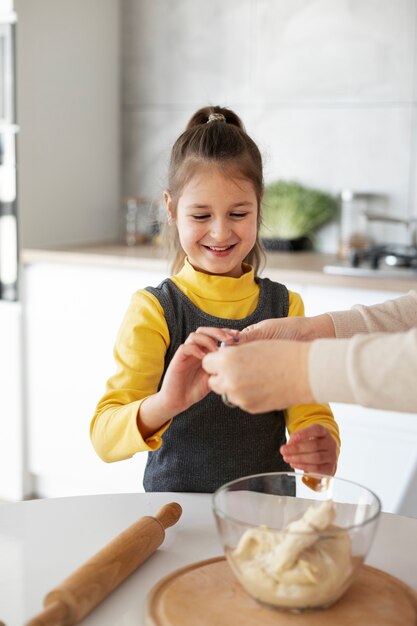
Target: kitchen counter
(288,268)
(44,541)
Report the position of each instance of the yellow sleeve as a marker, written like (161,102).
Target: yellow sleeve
(302,415)
(140,348)
(296,304)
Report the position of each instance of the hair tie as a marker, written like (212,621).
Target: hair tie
(216,117)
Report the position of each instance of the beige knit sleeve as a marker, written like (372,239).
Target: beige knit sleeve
(377,370)
(393,316)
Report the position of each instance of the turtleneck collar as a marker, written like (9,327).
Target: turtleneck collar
(217,287)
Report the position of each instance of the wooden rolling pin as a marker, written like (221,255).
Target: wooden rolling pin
(80,593)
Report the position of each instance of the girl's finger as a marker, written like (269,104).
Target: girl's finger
(325,468)
(212,363)
(305,447)
(315,458)
(202,340)
(192,350)
(228,335)
(216,384)
(310,432)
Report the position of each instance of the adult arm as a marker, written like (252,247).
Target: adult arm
(376,370)
(391,316)
(395,315)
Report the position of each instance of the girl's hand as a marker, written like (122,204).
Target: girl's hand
(311,449)
(185,382)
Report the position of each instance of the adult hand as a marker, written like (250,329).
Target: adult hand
(311,449)
(294,328)
(261,375)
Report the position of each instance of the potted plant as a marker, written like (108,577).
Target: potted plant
(292,213)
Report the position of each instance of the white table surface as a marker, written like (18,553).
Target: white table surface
(43,541)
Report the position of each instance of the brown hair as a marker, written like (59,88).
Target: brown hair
(220,141)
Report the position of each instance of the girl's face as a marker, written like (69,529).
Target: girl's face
(216,219)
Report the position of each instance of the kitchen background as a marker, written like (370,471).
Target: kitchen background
(328,90)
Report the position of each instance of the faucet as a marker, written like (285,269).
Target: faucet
(410,223)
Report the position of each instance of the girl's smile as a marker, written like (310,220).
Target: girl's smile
(220,251)
(216,219)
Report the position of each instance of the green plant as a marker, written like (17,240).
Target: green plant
(291,210)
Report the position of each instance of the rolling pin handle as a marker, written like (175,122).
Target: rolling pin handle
(100,574)
(169,514)
(55,613)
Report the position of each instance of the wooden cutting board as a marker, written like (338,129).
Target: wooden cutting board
(207,593)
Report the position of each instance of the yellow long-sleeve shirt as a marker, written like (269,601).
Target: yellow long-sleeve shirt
(140,351)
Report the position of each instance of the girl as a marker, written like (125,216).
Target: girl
(159,400)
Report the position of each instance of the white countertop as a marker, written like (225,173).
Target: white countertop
(43,541)
(286,267)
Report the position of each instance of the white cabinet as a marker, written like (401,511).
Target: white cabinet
(13,475)
(379,451)
(320,299)
(72,315)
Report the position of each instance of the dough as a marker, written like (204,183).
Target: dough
(299,567)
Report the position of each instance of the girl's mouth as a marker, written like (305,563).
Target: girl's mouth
(220,250)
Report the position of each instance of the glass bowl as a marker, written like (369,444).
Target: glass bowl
(311,563)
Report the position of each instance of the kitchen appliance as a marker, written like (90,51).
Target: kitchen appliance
(391,255)
(8,132)
(382,259)
(353,219)
(138,223)
(379,261)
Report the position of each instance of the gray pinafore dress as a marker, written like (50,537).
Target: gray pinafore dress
(210,444)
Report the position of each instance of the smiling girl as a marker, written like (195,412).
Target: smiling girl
(159,399)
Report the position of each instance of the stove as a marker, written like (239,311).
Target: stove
(385,260)
(391,255)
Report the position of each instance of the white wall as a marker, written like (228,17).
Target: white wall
(68,111)
(327,88)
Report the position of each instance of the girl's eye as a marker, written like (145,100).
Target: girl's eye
(238,214)
(201,216)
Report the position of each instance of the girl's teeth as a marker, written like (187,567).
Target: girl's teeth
(219,249)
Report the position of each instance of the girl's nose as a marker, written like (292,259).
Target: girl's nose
(220,230)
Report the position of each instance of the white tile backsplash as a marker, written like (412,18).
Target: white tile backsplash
(366,149)
(179,53)
(333,51)
(148,136)
(327,88)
